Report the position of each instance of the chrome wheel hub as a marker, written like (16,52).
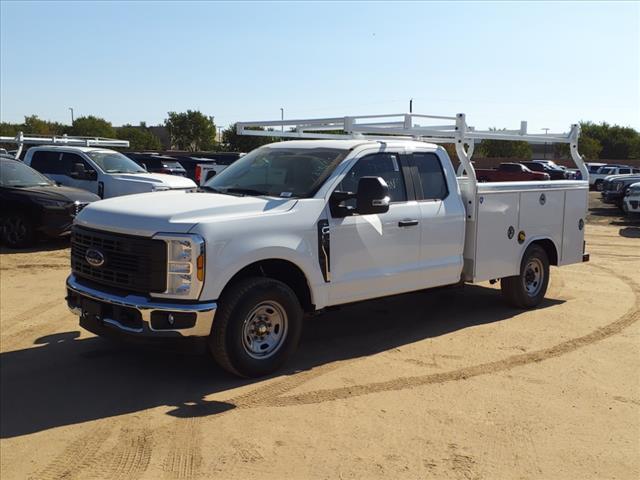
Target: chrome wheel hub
(533,277)
(264,330)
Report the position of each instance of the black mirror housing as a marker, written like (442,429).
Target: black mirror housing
(372,196)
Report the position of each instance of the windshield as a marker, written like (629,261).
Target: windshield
(605,170)
(17,174)
(115,162)
(279,172)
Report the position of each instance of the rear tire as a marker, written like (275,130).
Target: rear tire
(256,328)
(528,289)
(17,231)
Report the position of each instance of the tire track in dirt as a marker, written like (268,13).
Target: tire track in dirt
(127,460)
(319,396)
(33,266)
(76,456)
(35,311)
(271,395)
(184,460)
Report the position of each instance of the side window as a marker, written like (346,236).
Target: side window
(624,170)
(385,165)
(69,159)
(46,162)
(433,184)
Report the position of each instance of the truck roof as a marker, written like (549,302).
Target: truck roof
(69,147)
(348,143)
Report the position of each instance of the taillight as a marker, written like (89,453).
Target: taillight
(198,174)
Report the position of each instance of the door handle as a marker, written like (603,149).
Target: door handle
(407,223)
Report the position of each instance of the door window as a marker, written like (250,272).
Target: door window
(68,161)
(433,184)
(385,165)
(46,162)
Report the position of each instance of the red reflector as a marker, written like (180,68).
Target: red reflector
(198,174)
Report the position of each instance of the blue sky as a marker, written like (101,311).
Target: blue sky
(549,63)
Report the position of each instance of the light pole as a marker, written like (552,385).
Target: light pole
(71,108)
(411,105)
(546,130)
(282,118)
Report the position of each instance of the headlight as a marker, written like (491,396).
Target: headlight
(618,187)
(159,188)
(185,265)
(49,203)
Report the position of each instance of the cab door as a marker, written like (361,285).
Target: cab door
(88,182)
(376,255)
(442,219)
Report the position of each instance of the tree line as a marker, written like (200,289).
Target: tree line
(194,131)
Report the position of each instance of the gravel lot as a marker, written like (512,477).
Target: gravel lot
(445,384)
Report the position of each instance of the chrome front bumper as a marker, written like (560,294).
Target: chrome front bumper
(203,312)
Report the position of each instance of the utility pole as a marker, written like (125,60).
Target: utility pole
(411,105)
(71,108)
(546,131)
(282,117)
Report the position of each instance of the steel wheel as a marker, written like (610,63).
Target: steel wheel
(264,330)
(533,277)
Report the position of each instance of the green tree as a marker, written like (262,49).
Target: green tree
(588,147)
(34,125)
(243,143)
(91,126)
(504,149)
(191,130)
(140,138)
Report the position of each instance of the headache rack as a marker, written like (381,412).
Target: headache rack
(76,141)
(453,130)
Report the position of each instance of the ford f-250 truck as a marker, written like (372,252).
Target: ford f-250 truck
(295,227)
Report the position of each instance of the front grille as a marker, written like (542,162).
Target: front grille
(135,264)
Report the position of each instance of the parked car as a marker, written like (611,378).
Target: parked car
(615,188)
(593,167)
(548,167)
(509,172)
(296,227)
(33,205)
(155,163)
(574,174)
(631,203)
(596,179)
(218,160)
(105,172)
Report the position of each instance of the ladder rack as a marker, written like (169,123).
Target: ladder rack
(21,139)
(449,129)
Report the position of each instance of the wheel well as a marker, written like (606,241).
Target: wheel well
(550,249)
(282,270)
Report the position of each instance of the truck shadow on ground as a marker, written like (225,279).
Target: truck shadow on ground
(45,245)
(64,380)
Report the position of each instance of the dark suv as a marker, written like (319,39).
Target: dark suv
(554,173)
(155,163)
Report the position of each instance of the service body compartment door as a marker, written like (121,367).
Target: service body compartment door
(541,215)
(497,250)
(574,223)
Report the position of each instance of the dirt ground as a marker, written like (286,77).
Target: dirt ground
(446,384)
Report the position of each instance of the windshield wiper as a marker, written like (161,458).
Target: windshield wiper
(245,191)
(211,189)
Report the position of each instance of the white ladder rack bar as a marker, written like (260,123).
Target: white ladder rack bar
(403,126)
(21,139)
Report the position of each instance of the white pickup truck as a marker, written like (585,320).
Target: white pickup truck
(104,172)
(596,180)
(295,227)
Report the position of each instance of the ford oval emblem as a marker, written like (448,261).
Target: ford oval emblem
(94,257)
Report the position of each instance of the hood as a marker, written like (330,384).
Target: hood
(60,193)
(171,181)
(174,212)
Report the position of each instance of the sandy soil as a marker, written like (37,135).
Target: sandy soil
(447,384)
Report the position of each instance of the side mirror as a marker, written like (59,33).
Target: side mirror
(372,196)
(79,172)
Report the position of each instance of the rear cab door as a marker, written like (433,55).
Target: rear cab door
(442,216)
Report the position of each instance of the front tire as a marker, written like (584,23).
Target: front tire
(528,289)
(256,328)
(598,185)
